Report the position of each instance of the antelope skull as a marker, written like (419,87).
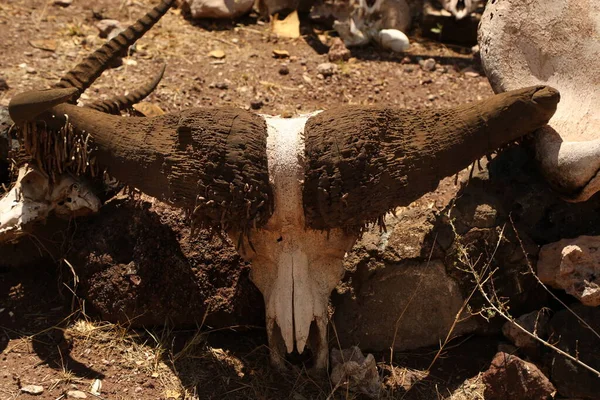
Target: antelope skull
(293,194)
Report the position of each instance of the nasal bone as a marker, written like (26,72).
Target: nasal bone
(293,300)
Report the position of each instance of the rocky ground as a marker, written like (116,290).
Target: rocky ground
(72,312)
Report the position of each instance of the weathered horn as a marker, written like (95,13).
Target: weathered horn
(212,162)
(116,104)
(362,162)
(28,105)
(86,72)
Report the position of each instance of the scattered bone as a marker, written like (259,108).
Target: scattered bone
(33,197)
(366,22)
(355,372)
(221,9)
(574,266)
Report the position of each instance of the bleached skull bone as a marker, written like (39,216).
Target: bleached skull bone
(33,197)
(553,43)
(294,267)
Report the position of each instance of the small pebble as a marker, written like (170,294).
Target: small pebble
(428,65)
(32,389)
(256,104)
(284,70)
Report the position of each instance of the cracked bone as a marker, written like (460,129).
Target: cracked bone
(552,43)
(33,197)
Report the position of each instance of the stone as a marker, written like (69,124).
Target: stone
(422,293)
(568,334)
(107,26)
(76,394)
(428,64)
(574,266)
(32,389)
(352,371)
(284,69)
(3,85)
(484,216)
(256,104)
(338,51)
(63,3)
(535,322)
(280,53)
(394,40)
(327,69)
(218,54)
(220,9)
(509,377)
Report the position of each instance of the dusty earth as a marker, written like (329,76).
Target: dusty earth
(51,338)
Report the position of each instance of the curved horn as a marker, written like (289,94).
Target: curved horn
(116,104)
(28,105)
(86,72)
(363,162)
(210,161)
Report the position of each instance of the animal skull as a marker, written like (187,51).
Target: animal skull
(33,197)
(294,267)
(294,194)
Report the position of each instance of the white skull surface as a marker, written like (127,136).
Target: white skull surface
(33,197)
(294,267)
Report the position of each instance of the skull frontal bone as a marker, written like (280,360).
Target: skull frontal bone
(294,267)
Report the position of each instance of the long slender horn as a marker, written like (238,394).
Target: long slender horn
(86,72)
(116,104)
(363,162)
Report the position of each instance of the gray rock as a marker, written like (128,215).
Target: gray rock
(76,394)
(428,65)
(426,297)
(327,69)
(32,389)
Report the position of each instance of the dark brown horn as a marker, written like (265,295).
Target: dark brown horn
(116,104)
(28,105)
(86,72)
(363,162)
(210,161)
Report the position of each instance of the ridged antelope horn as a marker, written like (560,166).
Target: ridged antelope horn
(86,72)
(28,105)
(116,104)
(362,162)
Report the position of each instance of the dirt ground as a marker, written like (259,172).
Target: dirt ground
(48,339)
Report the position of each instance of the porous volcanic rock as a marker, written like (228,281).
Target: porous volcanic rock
(509,377)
